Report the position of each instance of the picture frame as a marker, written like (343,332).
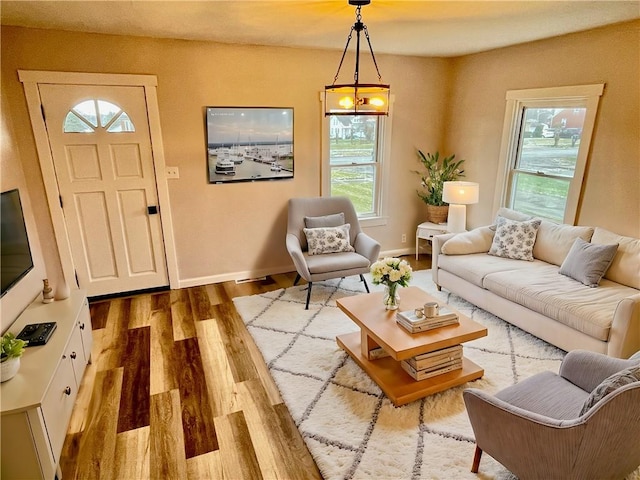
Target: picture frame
(249,144)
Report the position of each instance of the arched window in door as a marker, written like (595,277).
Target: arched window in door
(90,115)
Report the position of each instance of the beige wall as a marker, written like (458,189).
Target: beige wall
(234,229)
(238,229)
(611,55)
(18,297)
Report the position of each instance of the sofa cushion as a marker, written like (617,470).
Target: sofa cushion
(561,298)
(477,240)
(328,239)
(475,267)
(333,220)
(626,263)
(554,241)
(587,262)
(505,212)
(610,385)
(514,239)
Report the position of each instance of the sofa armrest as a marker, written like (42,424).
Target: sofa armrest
(587,369)
(367,247)
(624,336)
(295,250)
(436,246)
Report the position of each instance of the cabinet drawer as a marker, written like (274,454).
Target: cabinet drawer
(58,404)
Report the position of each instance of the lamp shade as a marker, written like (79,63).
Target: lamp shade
(461,193)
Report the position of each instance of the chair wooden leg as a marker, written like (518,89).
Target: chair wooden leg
(295,282)
(476,460)
(308,296)
(365,283)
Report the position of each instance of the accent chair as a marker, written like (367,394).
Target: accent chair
(308,216)
(581,424)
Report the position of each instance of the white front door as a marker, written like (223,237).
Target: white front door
(101,148)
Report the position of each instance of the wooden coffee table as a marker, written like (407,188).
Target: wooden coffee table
(378,328)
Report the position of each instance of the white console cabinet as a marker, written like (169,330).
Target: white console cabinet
(37,402)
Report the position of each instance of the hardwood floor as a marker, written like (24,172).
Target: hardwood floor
(178,389)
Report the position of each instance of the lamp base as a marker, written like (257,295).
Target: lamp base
(457,221)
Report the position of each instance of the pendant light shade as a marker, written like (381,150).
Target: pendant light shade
(357,98)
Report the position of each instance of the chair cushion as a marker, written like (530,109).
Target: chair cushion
(546,394)
(588,262)
(328,239)
(336,262)
(514,239)
(610,385)
(333,220)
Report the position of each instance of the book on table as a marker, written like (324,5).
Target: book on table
(436,358)
(415,324)
(433,371)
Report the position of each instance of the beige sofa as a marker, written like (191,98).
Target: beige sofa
(536,297)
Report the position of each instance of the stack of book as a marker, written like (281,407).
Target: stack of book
(411,322)
(434,363)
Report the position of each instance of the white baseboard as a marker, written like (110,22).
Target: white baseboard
(251,274)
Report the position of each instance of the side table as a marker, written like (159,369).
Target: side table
(427,230)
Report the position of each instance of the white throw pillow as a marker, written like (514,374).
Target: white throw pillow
(514,239)
(328,239)
(554,241)
(477,240)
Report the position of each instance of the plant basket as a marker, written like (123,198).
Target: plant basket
(437,213)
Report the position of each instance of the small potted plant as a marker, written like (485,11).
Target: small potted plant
(12,349)
(432,181)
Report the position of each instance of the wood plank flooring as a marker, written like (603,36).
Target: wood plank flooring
(177,389)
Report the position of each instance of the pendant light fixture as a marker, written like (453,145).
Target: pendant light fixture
(357,98)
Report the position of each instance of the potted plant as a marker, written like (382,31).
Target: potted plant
(432,181)
(12,349)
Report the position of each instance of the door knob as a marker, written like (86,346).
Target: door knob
(152,210)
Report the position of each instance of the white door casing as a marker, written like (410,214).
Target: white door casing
(106,180)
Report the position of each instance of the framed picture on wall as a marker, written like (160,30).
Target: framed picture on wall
(248,144)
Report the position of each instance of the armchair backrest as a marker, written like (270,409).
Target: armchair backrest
(318,207)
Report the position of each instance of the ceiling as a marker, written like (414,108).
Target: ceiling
(425,28)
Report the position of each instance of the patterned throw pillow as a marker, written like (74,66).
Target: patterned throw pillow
(515,239)
(610,385)
(328,239)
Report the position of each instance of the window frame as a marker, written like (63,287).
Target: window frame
(587,96)
(383,155)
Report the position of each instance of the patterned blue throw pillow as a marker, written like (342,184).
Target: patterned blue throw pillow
(610,385)
(515,239)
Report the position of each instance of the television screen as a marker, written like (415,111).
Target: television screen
(247,144)
(16,259)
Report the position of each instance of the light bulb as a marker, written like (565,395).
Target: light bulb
(376,102)
(346,102)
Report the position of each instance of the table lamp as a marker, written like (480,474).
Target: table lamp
(458,195)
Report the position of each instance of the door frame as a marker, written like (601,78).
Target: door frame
(30,80)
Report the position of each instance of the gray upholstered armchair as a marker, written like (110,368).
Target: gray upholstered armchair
(560,426)
(327,212)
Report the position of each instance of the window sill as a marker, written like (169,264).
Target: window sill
(373,221)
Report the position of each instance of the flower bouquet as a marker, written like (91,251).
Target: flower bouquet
(392,273)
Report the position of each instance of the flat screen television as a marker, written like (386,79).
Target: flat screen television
(16,260)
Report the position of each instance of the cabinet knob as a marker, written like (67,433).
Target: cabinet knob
(73,355)
(67,391)
(82,326)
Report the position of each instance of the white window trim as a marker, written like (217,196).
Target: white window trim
(384,169)
(584,95)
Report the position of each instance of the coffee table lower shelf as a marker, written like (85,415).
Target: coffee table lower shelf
(397,384)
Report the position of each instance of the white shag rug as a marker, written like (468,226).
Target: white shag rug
(351,429)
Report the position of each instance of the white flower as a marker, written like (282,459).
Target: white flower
(391,270)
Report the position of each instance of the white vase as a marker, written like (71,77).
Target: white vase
(9,368)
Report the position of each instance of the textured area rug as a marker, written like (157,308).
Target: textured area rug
(351,429)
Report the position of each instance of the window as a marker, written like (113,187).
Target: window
(89,115)
(354,150)
(545,143)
